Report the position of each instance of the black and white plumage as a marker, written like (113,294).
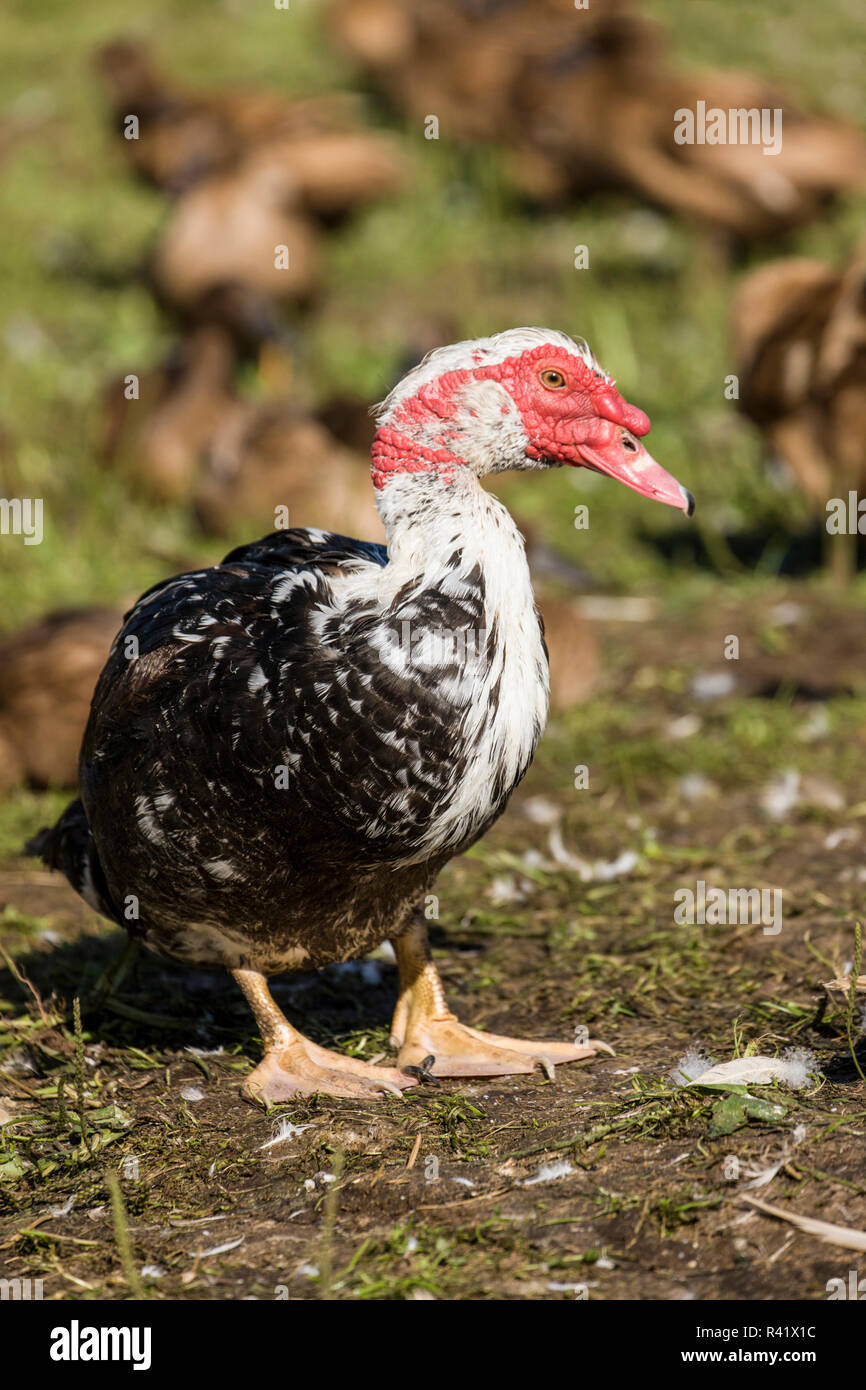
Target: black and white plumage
(284,750)
(262,778)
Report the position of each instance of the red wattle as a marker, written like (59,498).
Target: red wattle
(393,453)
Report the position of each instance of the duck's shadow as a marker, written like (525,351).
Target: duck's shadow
(158,1004)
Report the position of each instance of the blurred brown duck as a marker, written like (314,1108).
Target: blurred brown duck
(252,228)
(575,660)
(156,441)
(228,231)
(187,136)
(254,174)
(610,124)
(271,455)
(585,99)
(48,672)
(799,329)
(459,59)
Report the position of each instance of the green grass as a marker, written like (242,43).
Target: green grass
(77,229)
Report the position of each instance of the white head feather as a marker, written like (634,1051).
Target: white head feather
(480,352)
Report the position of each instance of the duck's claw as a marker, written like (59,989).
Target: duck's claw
(424,1071)
(462,1051)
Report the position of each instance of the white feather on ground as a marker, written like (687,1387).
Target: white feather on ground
(693,1063)
(549,1172)
(793,1069)
(284,1130)
(845,1236)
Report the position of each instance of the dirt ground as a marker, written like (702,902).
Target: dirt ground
(610,1182)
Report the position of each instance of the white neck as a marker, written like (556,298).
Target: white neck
(454,540)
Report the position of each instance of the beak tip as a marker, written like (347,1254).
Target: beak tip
(688,500)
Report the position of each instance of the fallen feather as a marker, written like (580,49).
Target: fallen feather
(693,1063)
(685,726)
(713,685)
(599,871)
(549,1172)
(793,1069)
(761,1177)
(785,614)
(284,1130)
(695,786)
(541,810)
(605,871)
(220,1249)
(815,727)
(765,1175)
(505,889)
(845,835)
(564,857)
(789,789)
(781,795)
(824,1230)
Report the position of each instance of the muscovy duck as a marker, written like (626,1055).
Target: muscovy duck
(285,749)
(226,230)
(48,671)
(156,439)
(272,453)
(186,136)
(799,330)
(583,98)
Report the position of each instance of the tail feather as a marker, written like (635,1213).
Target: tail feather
(69,846)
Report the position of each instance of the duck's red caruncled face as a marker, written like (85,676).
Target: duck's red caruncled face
(573,415)
(543,405)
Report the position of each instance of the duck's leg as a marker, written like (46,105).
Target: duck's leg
(293,1065)
(424,1025)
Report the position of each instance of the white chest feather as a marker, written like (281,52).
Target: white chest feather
(494,678)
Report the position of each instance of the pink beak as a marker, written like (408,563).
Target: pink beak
(613,446)
(625,458)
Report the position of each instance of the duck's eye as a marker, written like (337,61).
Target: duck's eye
(553,380)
